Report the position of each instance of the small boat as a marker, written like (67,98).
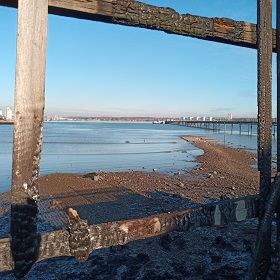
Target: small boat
(158,122)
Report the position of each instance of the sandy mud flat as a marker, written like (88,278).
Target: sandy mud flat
(206,253)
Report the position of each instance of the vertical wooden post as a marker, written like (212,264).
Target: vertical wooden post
(277,266)
(264,97)
(224,133)
(264,127)
(278,82)
(29,114)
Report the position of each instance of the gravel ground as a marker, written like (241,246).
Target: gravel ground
(206,253)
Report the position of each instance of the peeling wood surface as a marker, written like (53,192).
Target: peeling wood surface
(28,126)
(57,243)
(137,14)
(29,99)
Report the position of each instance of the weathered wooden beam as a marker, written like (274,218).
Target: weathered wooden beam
(137,14)
(260,269)
(275,267)
(264,236)
(264,96)
(28,126)
(83,239)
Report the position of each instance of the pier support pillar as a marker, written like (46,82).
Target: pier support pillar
(262,254)
(28,126)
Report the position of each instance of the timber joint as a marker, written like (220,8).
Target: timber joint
(79,240)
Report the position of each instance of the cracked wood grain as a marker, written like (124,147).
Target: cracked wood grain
(138,14)
(97,236)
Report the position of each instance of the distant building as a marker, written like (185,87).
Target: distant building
(229,116)
(9,114)
(1,115)
(203,118)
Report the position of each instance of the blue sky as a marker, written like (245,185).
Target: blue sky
(98,69)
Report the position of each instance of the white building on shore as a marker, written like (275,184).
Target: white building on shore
(9,114)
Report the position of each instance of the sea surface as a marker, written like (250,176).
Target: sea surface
(83,147)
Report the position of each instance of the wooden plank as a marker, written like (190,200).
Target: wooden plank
(60,243)
(216,214)
(137,14)
(28,126)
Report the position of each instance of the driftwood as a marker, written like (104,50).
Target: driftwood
(81,239)
(137,14)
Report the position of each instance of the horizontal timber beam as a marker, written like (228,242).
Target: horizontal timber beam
(83,239)
(137,14)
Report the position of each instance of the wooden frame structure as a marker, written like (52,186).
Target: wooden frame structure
(26,246)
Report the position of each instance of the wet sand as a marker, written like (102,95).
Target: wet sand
(206,253)
(221,173)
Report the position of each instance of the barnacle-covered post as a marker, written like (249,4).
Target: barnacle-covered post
(28,126)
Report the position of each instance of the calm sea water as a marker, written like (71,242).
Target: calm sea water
(82,147)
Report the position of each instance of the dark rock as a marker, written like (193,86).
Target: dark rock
(221,243)
(179,243)
(142,258)
(165,241)
(216,259)
(91,175)
(116,248)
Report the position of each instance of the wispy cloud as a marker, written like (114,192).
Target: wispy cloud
(248,94)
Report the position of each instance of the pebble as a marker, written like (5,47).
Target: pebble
(96,177)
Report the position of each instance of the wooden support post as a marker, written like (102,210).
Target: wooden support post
(277,266)
(264,97)
(262,258)
(29,114)
(256,271)
(224,133)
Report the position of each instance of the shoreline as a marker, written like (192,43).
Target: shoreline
(206,253)
(221,173)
